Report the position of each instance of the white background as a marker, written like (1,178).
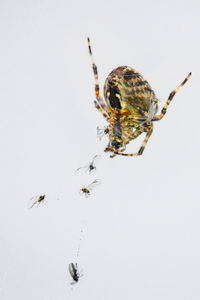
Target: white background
(141,226)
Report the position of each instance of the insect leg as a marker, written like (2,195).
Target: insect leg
(35,202)
(171,96)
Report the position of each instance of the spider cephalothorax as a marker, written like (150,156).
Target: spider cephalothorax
(130,106)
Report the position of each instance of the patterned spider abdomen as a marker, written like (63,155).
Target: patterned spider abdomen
(131,102)
(127,89)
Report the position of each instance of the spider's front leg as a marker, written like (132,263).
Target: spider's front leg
(99,99)
(102,111)
(171,96)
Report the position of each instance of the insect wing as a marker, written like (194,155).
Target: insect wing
(94,184)
(81,170)
(95,159)
(100,133)
(33,201)
(72,270)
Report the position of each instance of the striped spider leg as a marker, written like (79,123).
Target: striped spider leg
(149,129)
(99,102)
(171,96)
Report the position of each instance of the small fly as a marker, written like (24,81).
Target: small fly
(101,132)
(37,200)
(86,190)
(74,272)
(90,167)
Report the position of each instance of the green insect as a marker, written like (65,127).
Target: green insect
(86,190)
(130,106)
(37,200)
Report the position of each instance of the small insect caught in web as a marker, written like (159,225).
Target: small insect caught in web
(36,200)
(90,168)
(74,272)
(86,190)
(101,132)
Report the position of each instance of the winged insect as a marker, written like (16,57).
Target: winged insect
(91,167)
(86,190)
(74,272)
(37,200)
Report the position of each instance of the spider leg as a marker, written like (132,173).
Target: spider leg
(96,78)
(113,155)
(136,133)
(106,116)
(171,96)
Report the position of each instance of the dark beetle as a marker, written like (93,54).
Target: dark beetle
(73,270)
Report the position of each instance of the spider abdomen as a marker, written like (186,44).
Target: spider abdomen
(127,89)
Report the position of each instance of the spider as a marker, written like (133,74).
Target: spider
(130,106)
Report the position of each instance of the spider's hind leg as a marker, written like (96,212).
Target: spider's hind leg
(171,96)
